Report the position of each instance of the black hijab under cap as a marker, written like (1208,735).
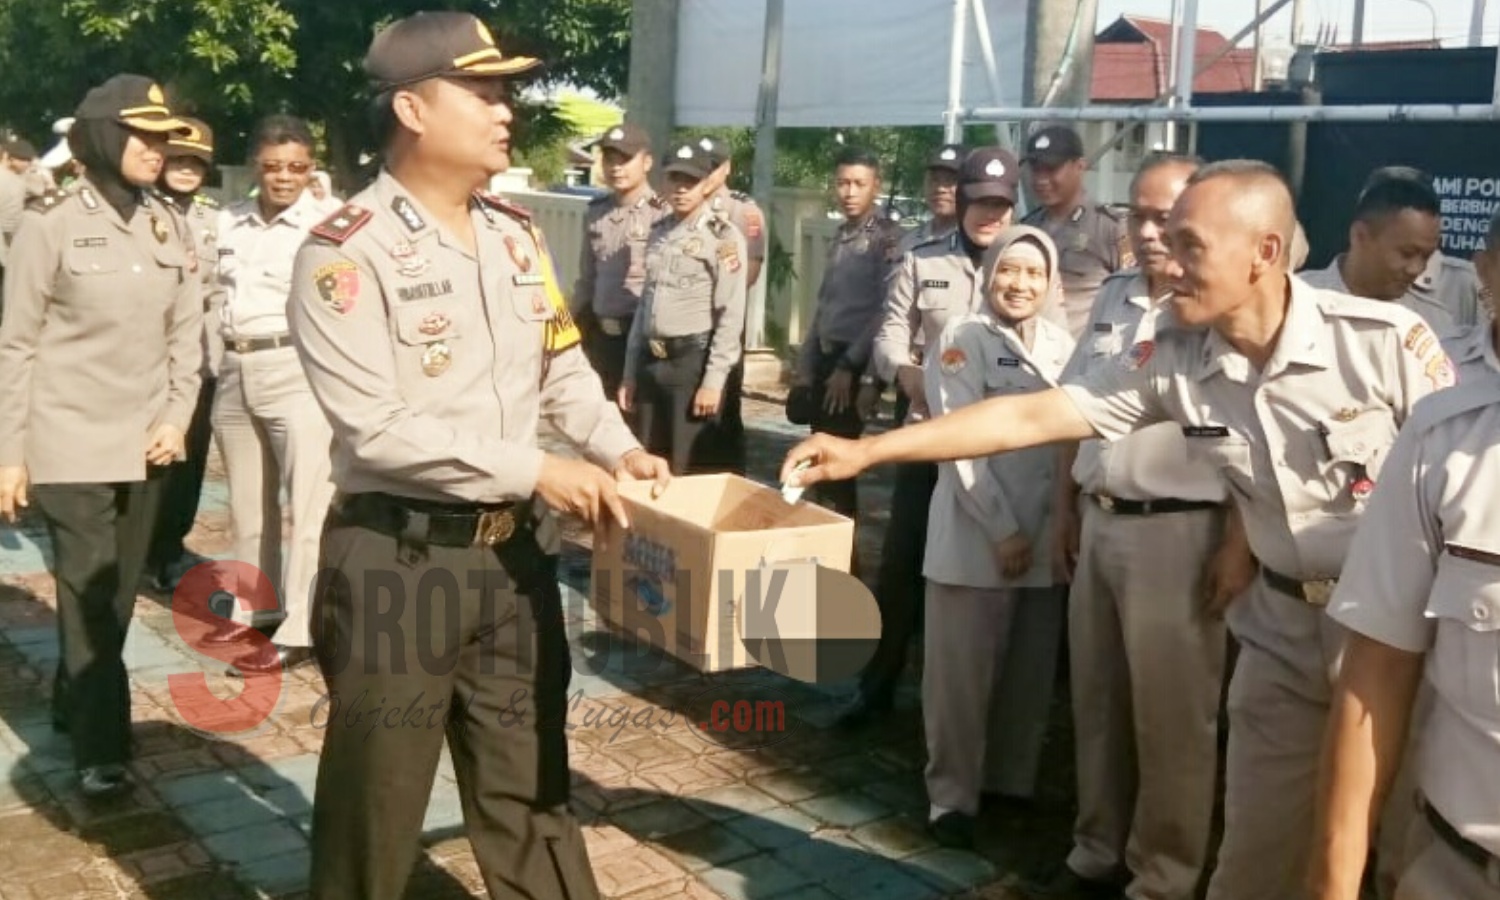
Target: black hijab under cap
(100,145)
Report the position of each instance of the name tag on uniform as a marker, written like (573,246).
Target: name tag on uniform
(1205,431)
(1472,554)
(940,285)
(521,280)
(1103,328)
(226,251)
(91,242)
(1009,362)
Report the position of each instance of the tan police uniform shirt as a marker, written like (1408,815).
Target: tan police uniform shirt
(1473,351)
(612,267)
(202,219)
(435,364)
(12,206)
(1291,441)
(255,264)
(980,502)
(695,284)
(1423,575)
(100,344)
(747,218)
(1152,463)
(851,298)
(932,283)
(1092,244)
(1453,284)
(1432,306)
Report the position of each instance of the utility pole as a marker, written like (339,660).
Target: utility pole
(1296,24)
(1257,80)
(764,173)
(652,85)
(1476,24)
(1359,23)
(1059,51)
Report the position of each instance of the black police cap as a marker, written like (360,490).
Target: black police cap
(1054,145)
(627,138)
(990,172)
(134,101)
(690,158)
(438,44)
(948,156)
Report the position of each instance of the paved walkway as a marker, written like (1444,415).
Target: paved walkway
(668,812)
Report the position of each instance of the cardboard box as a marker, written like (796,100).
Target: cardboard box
(677,580)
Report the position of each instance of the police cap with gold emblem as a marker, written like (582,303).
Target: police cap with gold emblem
(134,101)
(438,45)
(197,141)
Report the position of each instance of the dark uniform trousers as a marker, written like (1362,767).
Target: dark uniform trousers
(99,534)
(722,448)
(900,589)
(840,496)
(664,420)
(606,352)
(419,640)
(183,486)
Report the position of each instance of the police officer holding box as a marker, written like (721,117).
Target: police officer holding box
(435,338)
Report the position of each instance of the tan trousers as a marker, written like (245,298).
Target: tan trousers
(1278,707)
(1147,670)
(987,684)
(1438,873)
(273,434)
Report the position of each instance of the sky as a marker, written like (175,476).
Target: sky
(1384,19)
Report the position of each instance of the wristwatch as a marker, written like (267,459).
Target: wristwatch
(867,379)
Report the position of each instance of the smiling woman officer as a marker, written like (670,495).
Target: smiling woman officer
(99,372)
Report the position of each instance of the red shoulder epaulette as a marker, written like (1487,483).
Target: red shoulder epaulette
(340,226)
(494,201)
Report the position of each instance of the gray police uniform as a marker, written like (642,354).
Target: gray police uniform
(851,302)
(933,283)
(1146,663)
(435,365)
(1092,242)
(612,274)
(1448,304)
(688,331)
(99,348)
(1423,576)
(184,484)
(1454,285)
(1299,444)
(923,233)
(986,693)
(721,447)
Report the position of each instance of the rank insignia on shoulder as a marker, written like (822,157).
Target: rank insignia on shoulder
(202,199)
(494,201)
(342,225)
(49,200)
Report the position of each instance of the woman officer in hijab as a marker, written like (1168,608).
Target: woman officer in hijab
(99,371)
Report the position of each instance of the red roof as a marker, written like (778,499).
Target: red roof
(1132,58)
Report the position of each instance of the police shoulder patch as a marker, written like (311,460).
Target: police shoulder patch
(495,202)
(202,199)
(342,225)
(48,201)
(1117,211)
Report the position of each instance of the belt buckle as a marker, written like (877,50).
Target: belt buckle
(1106,502)
(241,345)
(495,527)
(658,348)
(1319,592)
(611,327)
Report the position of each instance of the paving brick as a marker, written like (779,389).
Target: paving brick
(882,881)
(604,839)
(278,874)
(159,864)
(774,828)
(218,816)
(690,778)
(705,848)
(659,819)
(755,878)
(624,873)
(732,800)
(794,786)
(245,845)
(136,831)
(950,869)
(205,787)
(845,810)
(894,838)
(687,889)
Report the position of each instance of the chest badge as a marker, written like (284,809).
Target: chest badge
(408,263)
(693,247)
(159,230)
(434,324)
(518,254)
(436,359)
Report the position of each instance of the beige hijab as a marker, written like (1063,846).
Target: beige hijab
(1052,304)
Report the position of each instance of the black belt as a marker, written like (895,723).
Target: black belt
(1315,592)
(669,347)
(1150,507)
(252,344)
(443,524)
(615,326)
(1484,859)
